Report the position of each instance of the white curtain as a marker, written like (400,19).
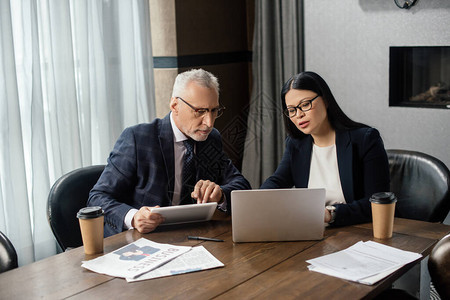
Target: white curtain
(73,75)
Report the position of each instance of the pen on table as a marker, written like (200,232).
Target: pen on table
(190,237)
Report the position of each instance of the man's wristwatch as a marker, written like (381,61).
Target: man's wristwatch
(332,210)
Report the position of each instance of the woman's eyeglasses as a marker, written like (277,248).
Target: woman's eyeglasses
(305,105)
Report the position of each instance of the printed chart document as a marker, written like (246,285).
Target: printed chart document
(134,259)
(197,259)
(364,262)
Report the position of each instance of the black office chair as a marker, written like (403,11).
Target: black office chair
(67,196)
(439,267)
(8,255)
(422,185)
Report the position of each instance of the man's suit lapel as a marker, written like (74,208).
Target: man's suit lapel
(166,144)
(344,153)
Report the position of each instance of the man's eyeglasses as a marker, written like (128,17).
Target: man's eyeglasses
(200,112)
(305,105)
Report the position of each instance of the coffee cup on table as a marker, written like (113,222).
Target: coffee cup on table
(383,210)
(91,225)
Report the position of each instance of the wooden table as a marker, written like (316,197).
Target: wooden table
(262,270)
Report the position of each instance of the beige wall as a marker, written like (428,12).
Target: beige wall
(164,43)
(214,35)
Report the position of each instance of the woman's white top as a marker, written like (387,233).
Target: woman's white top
(324,173)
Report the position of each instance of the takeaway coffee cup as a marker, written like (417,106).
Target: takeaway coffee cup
(91,225)
(383,210)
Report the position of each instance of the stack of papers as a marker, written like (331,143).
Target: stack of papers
(144,259)
(364,262)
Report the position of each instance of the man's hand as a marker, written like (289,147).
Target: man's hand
(207,191)
(145,221)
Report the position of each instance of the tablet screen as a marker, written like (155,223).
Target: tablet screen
(179,214)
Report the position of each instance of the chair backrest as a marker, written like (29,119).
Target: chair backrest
(66,197)
(8,255)
(422,185)
(439,267)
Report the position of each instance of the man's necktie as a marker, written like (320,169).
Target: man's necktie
(189,173)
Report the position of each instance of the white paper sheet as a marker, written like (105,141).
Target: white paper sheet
(364,262)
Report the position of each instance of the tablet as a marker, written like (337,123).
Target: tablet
(189,213)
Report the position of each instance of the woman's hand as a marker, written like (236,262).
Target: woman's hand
(327,218)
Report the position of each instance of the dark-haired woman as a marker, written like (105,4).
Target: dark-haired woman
(326,149)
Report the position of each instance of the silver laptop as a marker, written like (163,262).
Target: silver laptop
(277,215)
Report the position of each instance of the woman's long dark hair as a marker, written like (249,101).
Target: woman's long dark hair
(313,82)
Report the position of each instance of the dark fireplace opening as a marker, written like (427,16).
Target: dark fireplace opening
(419,76)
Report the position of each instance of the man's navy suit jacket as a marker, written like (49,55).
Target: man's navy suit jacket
(140,171)
(363,170)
